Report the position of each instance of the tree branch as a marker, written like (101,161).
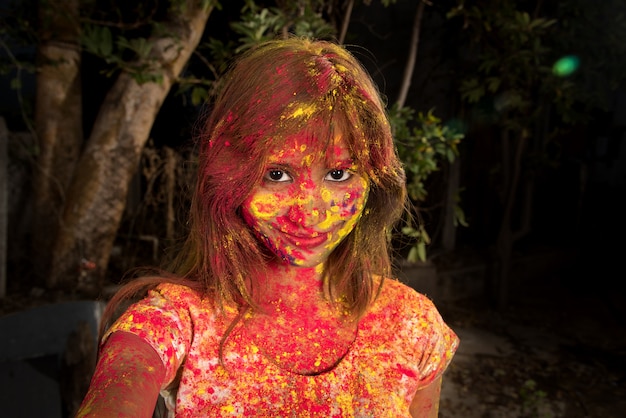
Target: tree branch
(412,56)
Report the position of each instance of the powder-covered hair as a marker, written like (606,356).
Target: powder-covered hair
(273,91)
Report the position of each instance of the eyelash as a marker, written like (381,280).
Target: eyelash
(344,172)
(277,171)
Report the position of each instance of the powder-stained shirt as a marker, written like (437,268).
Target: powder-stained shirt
(402,344)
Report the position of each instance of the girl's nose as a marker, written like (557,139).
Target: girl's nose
(306,210)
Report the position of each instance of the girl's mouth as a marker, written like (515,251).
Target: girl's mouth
(306,242)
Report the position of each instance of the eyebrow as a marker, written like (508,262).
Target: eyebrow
(343,162)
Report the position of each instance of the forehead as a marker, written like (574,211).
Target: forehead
(305,148)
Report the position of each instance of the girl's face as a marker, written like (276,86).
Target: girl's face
(308,201)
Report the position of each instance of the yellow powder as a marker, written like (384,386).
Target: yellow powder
(228,408)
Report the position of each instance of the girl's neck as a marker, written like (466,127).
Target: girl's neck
(293,286)
(296,326)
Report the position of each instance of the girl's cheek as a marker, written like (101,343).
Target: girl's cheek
(265,207)
(353,201)
(345,207)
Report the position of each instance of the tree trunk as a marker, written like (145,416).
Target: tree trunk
(58,121)
(448,236)
(506,236)
(4,205)
(171,161)
(346,21)
(96,197)
(412,56)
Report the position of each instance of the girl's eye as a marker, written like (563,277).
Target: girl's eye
(338,175)
(277,176)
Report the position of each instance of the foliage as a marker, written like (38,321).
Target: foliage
(596,34)
(515,53)
(385,3)
(424,144)
(302,18)
(127,46)
(256,24)
(511,76)
(121,53)
(124,45)
(513,66)
(10,57)
(537,70)
(532,401)
(16,52)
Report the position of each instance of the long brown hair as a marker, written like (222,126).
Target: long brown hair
(275,90)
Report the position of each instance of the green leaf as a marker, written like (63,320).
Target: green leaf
(459,217)
(450,155)
(199,95)
(105,42)
(97,40)
(424,235)
(493,83)
(413,256)
(410,232)
(206,4)
(421,251)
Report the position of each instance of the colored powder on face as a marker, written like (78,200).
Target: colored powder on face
(326,195)
(265,206)
(307,185)
(309,201)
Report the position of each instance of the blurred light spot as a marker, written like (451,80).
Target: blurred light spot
(566,66)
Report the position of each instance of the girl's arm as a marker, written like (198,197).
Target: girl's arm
(425,403)
(126,381)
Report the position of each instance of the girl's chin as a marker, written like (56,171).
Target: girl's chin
(299,260)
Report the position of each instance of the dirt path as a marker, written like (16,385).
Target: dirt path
(539,359)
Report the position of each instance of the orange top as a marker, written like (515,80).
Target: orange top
(402,344)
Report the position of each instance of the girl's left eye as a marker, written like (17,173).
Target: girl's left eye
(338,175)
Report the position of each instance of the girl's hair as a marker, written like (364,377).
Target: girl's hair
(275,90)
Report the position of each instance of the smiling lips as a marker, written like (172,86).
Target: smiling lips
(307,242)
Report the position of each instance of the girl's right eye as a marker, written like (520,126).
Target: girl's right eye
(276,175)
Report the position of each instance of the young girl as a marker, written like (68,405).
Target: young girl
(282,303)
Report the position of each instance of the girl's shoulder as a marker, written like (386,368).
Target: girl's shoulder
(177,292)
(396,295)
(193,299)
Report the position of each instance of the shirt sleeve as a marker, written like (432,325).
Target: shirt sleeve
(429,342)
(163,320)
